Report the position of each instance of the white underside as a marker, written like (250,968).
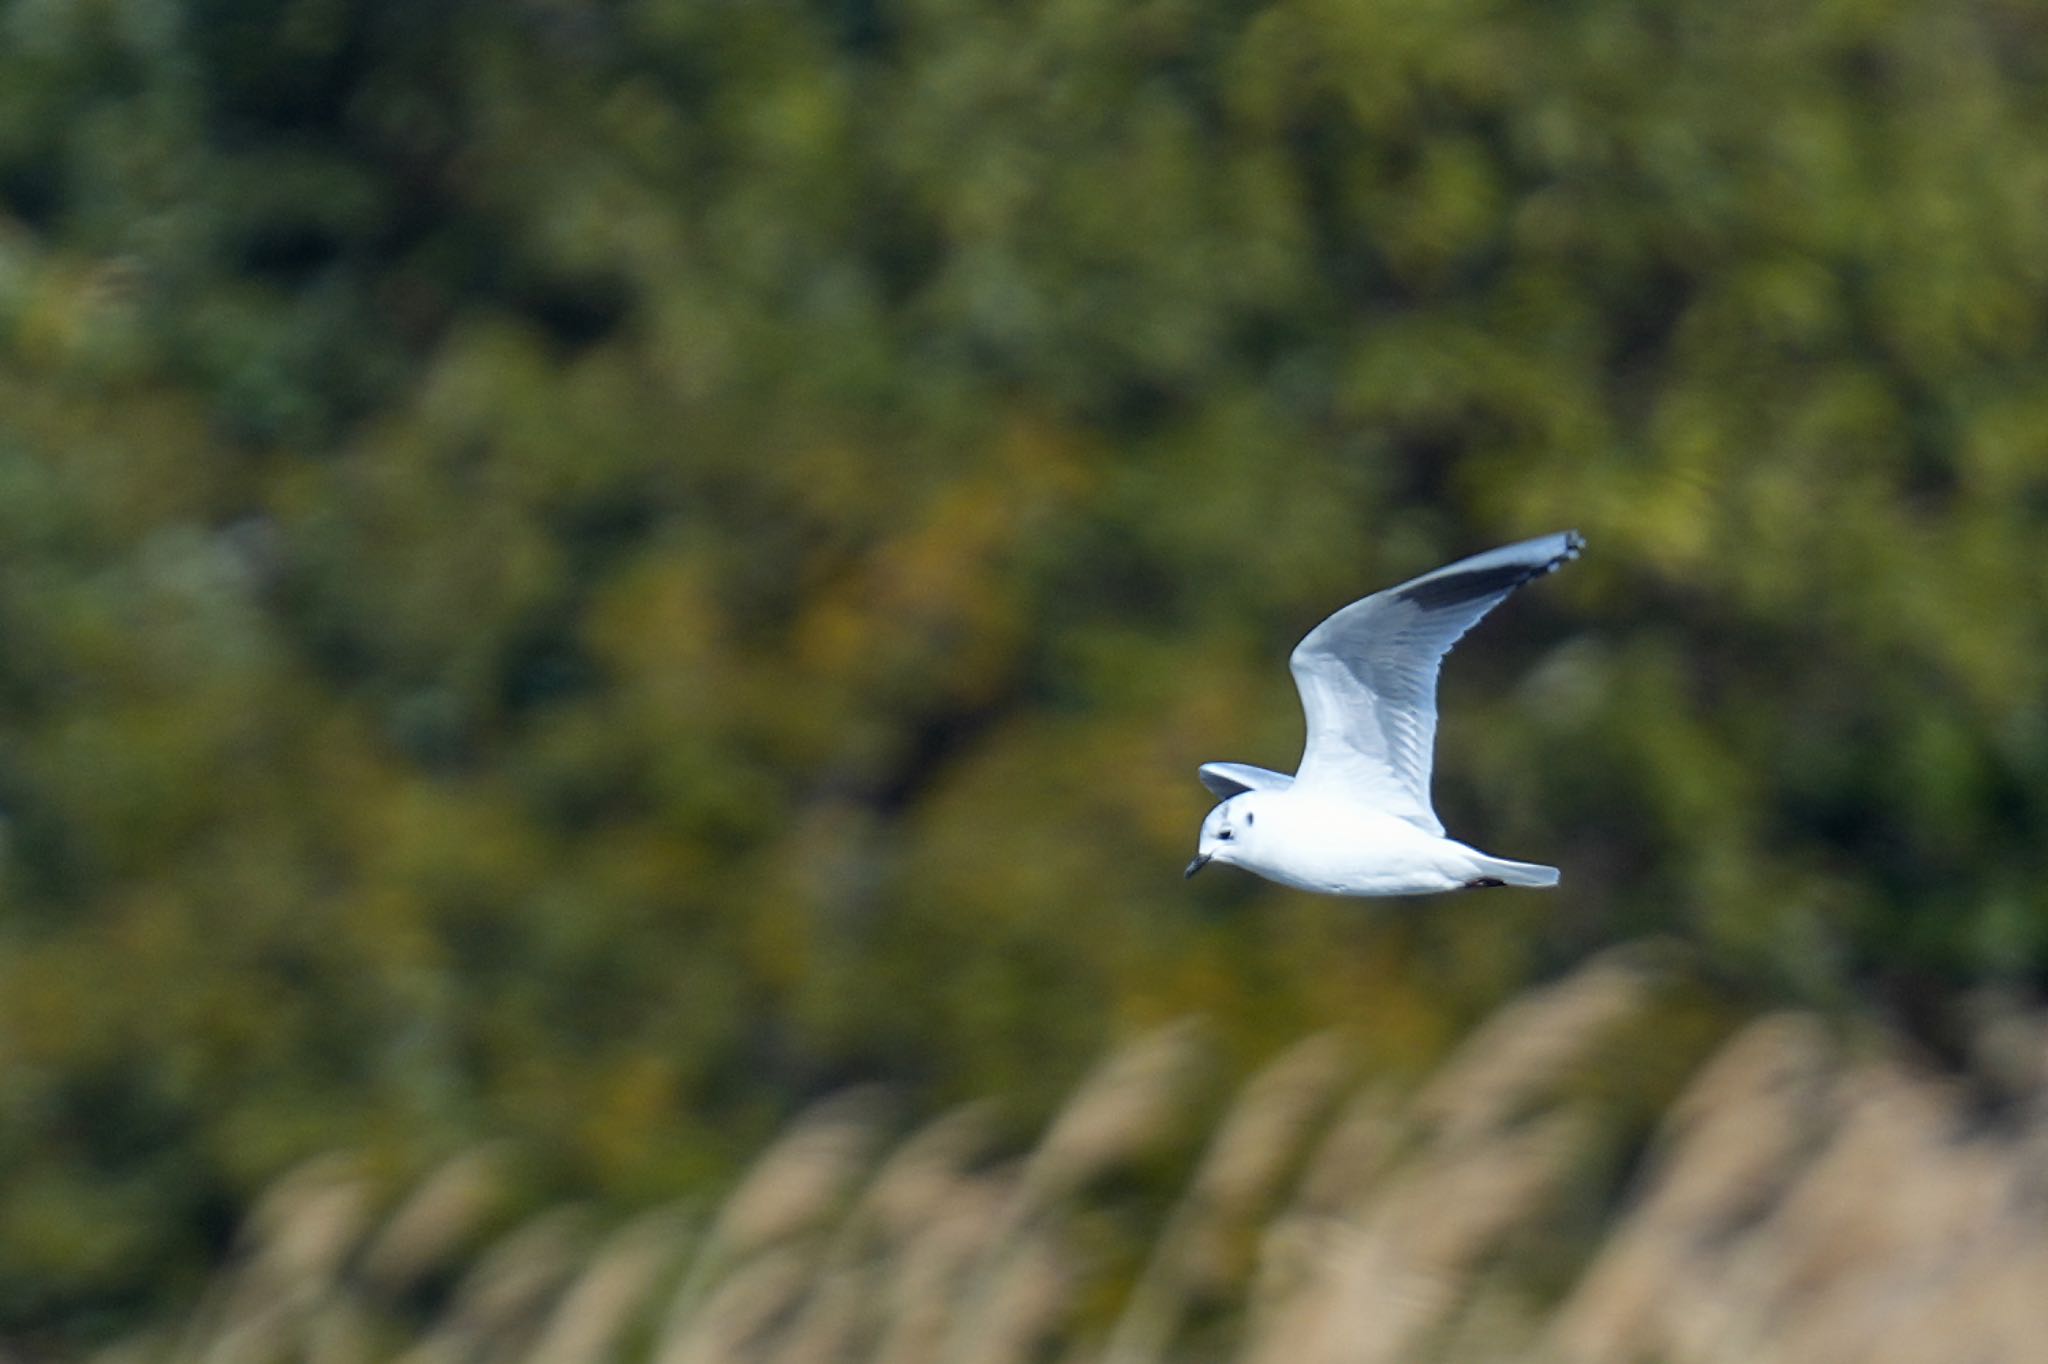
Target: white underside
(1338,847)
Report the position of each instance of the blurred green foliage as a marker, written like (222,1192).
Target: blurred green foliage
(588,572)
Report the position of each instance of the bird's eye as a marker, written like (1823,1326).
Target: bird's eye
(1225,834)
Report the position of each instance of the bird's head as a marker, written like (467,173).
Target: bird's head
(1227,831)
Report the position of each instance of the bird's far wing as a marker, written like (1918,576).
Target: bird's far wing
(1367,675)
(1225,780)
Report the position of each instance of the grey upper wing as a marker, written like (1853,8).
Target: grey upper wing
(1367,675)
(1225,780)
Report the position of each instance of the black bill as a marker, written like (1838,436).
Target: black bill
(1195,866)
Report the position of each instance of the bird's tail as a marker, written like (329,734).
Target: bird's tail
(1500,871)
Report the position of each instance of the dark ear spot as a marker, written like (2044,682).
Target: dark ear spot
(1250,819)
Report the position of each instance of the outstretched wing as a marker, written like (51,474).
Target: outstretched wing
(1367,675)
(1225,780)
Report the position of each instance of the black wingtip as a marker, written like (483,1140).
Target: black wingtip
(1452,588)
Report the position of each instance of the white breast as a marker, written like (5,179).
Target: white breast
(1342,848)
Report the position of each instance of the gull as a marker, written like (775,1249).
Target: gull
(1356,818)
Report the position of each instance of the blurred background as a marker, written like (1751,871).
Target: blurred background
(580,579)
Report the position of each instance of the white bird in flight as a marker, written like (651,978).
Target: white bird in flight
(1355,819)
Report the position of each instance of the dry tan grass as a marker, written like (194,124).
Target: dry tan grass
(1807,1200)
